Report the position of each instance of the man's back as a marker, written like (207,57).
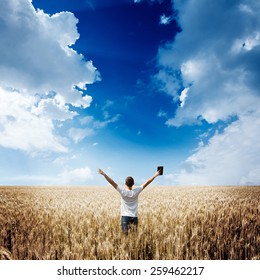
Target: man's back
(129,201)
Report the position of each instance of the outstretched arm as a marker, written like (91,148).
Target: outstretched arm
(151,179)
(110,181)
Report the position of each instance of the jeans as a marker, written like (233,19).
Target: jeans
(127,222)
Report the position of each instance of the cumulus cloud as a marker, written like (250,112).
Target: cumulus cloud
(211,70)
(221,82)
(52,109)
(230,158)
(21,129)
(37,58)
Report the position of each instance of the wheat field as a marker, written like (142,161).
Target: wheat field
(54,223)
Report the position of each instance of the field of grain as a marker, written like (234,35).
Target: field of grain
(174,223)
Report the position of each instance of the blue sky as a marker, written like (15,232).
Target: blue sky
(128,85)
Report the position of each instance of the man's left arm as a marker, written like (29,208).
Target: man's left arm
(149,181)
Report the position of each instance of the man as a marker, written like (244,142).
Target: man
(129,199)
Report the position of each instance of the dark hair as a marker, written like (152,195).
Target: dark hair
(129,181)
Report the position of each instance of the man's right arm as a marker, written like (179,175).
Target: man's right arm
(110,181)
(151,179)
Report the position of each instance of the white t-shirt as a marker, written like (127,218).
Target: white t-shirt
(129,200)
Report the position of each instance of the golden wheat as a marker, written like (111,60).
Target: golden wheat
(174,223)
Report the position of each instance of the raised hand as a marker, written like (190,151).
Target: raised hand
(100,171)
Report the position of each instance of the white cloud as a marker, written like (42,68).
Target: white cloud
(246,44)
(183,96)
(101,124)
(231,157)
(91,121)
(62,160)
(249,6)
(216,56)
(78,134)
(21,129)
(90,126)
(37,58)
(202,54)
(35,53)
(162,114)
(165,20)
(54,110)
(76,176)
